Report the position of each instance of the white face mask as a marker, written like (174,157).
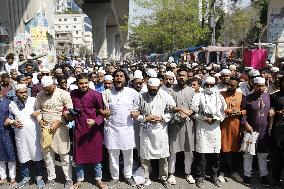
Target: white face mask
(208,90)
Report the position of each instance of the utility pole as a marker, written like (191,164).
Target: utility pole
(213,25)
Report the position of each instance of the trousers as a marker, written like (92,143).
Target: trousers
(277,160)
(80,171)
(114,162)
(188,159)
(230,162)
(211,160)
(163,168)
(262,164)
(25,171)
(11,168)
(49,158)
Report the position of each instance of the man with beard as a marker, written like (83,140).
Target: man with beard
(100,81)
(138,82)
(181,127)
(27,135)
(155,107)
(275,85)
(247,86)
(231,131)
(169,78)
(88,130)
(108,83)
(119,130)
(51,102)
(257,107)
(209,106)
(225,77)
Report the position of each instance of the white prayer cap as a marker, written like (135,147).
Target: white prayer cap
(217,75)
(151,73)
(274,69)
(173,65)
(85,70)
(225,71)
(232,67)
(20,86)
(259,80)
(248,68)
(270,65)
(90,69)
(45,70)
(169,73)
(254,73)
(214,65)
(208,68)
(46,81)
(282,62)
(58,70)
(108,78)
(154,82)
(83,62)
(194,64)
(29,57)
(138,74)
(102,71)
(209,80)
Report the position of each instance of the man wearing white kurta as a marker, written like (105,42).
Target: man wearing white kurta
(209,106)
(27,135)
(155,107)
(119,130)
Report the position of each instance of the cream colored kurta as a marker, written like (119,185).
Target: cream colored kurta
(51,108)
(28,137)
(154,137)
(208,137)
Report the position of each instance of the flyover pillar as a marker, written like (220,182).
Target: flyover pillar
(99,13)
(117,47)
(111,32)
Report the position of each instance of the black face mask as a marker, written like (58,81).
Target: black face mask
(152,93)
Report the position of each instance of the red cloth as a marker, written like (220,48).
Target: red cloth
(255,58)
(88,142)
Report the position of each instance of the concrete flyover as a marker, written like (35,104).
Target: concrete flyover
(107,16)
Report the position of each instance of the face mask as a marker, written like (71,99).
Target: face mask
(153,93)
(208,90)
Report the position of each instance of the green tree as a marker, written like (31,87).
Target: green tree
(172,25)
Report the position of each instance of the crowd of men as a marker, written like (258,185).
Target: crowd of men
(218,115)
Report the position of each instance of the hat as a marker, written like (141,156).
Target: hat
(102,71)
(169,73)
(46,81)
(154,82)
(58,70)
(173,65)
(232,67)
(138,74)
(209,80)
(225,71)
(254,73)
(248,68)
(217,75)
(20,86)
(29,57)
(274,69)
(108,78)
(45,70)
(151,73)
(259,80)
(194,64)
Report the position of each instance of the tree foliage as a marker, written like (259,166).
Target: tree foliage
(172,25)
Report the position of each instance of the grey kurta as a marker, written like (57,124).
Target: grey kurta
(181,132)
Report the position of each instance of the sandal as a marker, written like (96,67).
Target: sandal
(3,181)
(77,185)
(13,185)
(101,185)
